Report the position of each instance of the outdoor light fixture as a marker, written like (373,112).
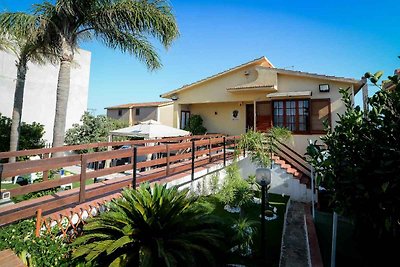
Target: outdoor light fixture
(263,178)
(174,97)
(324,88)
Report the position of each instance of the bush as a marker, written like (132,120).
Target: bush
(31,135)
(236,191)
(93,129)
(361,168)
(34,251)
(195,125)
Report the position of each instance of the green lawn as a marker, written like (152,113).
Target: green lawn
(273,229)
(346,252)
(77,184)
(9,186)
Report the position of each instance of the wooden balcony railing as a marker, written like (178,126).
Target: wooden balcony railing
(171,158)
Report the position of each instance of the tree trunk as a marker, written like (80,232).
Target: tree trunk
(62,97)
(17,109)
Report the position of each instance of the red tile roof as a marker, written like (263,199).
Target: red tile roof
(141,105)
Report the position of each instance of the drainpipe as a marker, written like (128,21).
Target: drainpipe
(364,89)
(255,115)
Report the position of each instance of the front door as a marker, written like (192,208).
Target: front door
(249,117)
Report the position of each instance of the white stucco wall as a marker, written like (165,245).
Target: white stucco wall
(40,91)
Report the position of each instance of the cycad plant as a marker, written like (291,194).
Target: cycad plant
(20,36)
(156,226)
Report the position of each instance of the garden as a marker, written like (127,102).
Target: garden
(216,225)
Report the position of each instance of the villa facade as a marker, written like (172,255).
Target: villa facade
(135,113)
(256,95)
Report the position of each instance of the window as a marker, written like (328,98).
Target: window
(185,116)
(292,114)
(120,112)
(137,111)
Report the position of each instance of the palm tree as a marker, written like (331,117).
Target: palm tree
(151,227)
(126,25)
(19,35)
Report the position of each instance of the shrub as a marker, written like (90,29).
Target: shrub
(42,251)
(31,135)
(361,168)
(236,191)
(195,125)
(93,129)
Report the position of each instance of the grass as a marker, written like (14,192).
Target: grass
(9,186)
(77,184)
(346,252)
(273,229)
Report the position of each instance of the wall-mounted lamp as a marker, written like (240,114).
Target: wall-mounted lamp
(324,88)
(174,97)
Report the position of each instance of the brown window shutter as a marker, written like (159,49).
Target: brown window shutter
(263,116)
(320,112)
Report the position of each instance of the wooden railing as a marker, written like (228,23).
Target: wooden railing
(198,150)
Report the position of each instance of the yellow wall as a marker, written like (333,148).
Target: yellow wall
(288,83)
(214,90)
(222,122)
(165,115)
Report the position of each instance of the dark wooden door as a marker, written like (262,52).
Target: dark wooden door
(249,117)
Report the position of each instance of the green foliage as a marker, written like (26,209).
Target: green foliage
(262,145)
(151,227)
(93,129)
(31,135)
(43,251)
(214,183)
(361,167)
(244,230)
(195,125)
(236,191)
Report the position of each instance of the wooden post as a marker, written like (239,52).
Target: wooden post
(134,167)
(1,178)
(193,155)
(83,179)
(167,167)
(224,151)
(46,172)
(209,149)
(38,222)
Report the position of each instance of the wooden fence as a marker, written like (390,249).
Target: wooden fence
(174,155)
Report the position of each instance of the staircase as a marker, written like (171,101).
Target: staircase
(291,169)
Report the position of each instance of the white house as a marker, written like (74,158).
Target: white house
(40,91)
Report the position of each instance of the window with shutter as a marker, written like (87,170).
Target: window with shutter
(320,112)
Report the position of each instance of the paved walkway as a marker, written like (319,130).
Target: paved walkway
(294,242)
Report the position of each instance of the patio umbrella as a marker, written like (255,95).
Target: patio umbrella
(149,130)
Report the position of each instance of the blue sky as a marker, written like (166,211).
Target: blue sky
(343,38)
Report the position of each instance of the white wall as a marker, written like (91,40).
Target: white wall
(40,91)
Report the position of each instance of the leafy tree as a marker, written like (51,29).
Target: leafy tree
(151,227)
(22,40)
(31,136)
(361,169)
(126,25)
(93,129)
(195,125)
